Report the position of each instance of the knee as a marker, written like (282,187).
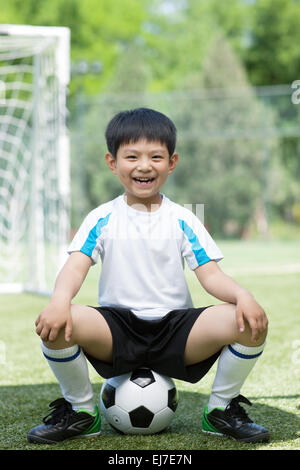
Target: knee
(59,342)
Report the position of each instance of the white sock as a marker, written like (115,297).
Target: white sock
(71,370)
(235,364)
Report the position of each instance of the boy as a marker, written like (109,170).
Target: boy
(146,316)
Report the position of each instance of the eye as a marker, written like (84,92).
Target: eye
(157,157)
(131,157)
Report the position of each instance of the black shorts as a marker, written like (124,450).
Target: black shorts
(156,344)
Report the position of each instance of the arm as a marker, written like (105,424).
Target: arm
(57,313)
(224,288)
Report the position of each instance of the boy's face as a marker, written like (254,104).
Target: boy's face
(142,167)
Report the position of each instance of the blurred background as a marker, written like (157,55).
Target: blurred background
(225,72)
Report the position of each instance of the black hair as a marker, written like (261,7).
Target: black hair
(135,124)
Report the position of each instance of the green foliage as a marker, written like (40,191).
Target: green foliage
(220,166)
(176,40)
(172,36)
(156,46)
(273,54)
(99,29)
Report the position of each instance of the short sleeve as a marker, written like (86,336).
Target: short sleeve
(88,237)
(198,247)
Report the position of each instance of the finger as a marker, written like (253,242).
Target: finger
(254,330)
(262,323)
(45,333)
(37,321)
(265,322)
(53,334)
(39,328)
(68,329)
(240,320)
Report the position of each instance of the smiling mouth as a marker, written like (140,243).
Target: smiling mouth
(144,180)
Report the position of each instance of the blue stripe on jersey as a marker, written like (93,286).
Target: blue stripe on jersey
(90,243)
(198,250)
(243,356)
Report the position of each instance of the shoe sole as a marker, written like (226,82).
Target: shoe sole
(40,440)
(254,439)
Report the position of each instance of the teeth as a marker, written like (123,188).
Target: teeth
(144,179)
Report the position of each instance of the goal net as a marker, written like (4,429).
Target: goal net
(34,156)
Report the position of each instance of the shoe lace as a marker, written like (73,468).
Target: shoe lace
(235,410)
(61,409)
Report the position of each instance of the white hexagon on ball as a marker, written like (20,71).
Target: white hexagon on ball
(140,402)
(154,396)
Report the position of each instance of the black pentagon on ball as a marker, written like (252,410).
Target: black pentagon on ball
(108,395)
(141,417)
(173,399)
(142,377)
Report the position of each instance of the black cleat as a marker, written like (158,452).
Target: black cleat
(234,422)
(64,423)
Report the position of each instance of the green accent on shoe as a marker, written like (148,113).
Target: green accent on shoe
(206,426)
(95,427)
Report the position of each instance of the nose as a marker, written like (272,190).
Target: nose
(144,164)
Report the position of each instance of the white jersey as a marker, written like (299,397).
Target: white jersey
(143,255)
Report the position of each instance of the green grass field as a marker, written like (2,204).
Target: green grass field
(271,271)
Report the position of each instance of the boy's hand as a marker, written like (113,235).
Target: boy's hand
(50,321)
(248,309)
(57,314)
(221,286)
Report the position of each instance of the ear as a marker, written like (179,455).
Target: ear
(173,162)
(111,162)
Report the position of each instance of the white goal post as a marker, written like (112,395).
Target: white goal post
(34,156)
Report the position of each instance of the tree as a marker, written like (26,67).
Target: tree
(222,161)
(99,30)
(273,54)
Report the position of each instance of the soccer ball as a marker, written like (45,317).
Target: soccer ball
(140,402)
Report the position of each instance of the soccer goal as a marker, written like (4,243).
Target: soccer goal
(34,156)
